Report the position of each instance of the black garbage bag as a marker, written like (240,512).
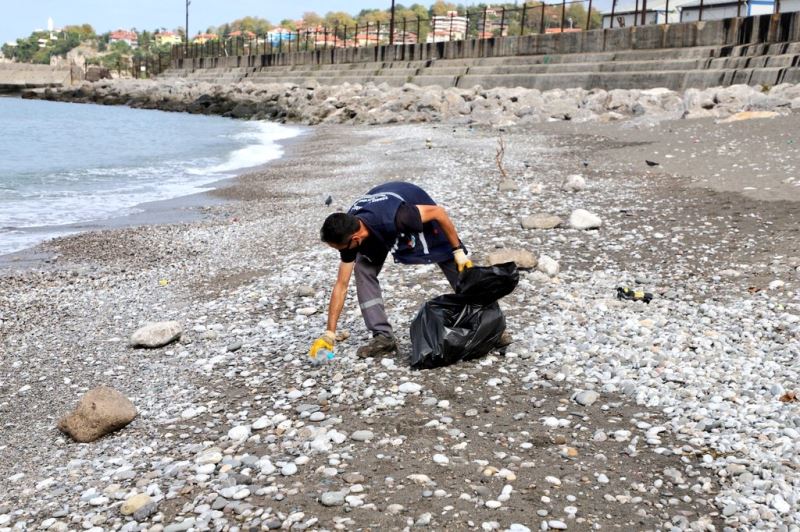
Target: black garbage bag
(464,325)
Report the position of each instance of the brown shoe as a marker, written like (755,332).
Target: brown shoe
(505,340)
(380,345)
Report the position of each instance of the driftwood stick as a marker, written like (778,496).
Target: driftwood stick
(501,151)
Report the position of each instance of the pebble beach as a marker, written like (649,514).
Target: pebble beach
(680,414)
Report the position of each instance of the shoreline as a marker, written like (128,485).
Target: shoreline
(176,210)
(238,280)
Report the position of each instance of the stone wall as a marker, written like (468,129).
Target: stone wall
(735,31)
(15,77)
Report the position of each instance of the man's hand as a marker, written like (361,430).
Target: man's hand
(324,342)
(461,260)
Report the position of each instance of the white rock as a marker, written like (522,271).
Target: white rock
(409,388)
(242,432)
(780,504)
(583,219)
(548,266)
(362,435)
(158,334)
(209,456)
(261,423)
(574,183)
(776,284)
(441,459)
(289,469)
(586,397)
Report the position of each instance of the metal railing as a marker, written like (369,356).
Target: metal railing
(530,18)
(150,65)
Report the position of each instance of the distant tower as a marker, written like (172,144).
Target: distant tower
(50,27)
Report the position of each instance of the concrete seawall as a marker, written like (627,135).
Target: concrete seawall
(15,77)
(758,50)
(784,27)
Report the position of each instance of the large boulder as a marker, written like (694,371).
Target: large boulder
(101,411)
(158,334)
(523,259)
(541,221)
(583,219)
(96,73)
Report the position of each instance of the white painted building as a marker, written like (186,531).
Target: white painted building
(719,9)
(658,12)
(447,27)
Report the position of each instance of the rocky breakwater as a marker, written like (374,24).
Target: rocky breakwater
(311,103)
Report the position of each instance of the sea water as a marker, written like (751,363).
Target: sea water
(64,164)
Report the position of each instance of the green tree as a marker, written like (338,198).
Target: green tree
(440,7)
(340,19)
(312,19)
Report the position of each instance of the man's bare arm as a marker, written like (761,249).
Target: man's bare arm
(339,294)
(438,214)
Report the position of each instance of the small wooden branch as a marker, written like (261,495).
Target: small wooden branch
(501,151)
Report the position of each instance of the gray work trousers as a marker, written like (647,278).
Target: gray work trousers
(370,298)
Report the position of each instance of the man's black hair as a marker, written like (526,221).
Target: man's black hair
(338,228)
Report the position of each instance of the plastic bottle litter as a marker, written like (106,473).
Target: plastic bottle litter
(323,357)
(634,295)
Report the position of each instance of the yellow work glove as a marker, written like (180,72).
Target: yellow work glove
(324,342)
(461,259)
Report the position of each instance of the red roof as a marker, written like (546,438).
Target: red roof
(123,35)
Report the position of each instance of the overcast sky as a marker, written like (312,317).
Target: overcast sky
(20,17)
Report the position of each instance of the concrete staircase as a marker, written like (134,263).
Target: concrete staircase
(673,68)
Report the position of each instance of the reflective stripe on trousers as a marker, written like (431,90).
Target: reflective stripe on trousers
(370,297)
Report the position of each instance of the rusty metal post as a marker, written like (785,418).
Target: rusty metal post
(433,31)
(589,15)
(644,12)
(404,32)
(483,30)
(563,14)
(503,21)
(367,32)
(541,23)
(739,9)
(378,33)
(636,14)
(419,28)
(522,24)
(613,6)
(450,37)
(700,15)
(666,13)
(391,25)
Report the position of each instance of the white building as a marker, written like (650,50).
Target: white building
(657,12)
(719,9)
(448,27)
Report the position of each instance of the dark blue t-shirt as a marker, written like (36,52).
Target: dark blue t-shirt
(407,220)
